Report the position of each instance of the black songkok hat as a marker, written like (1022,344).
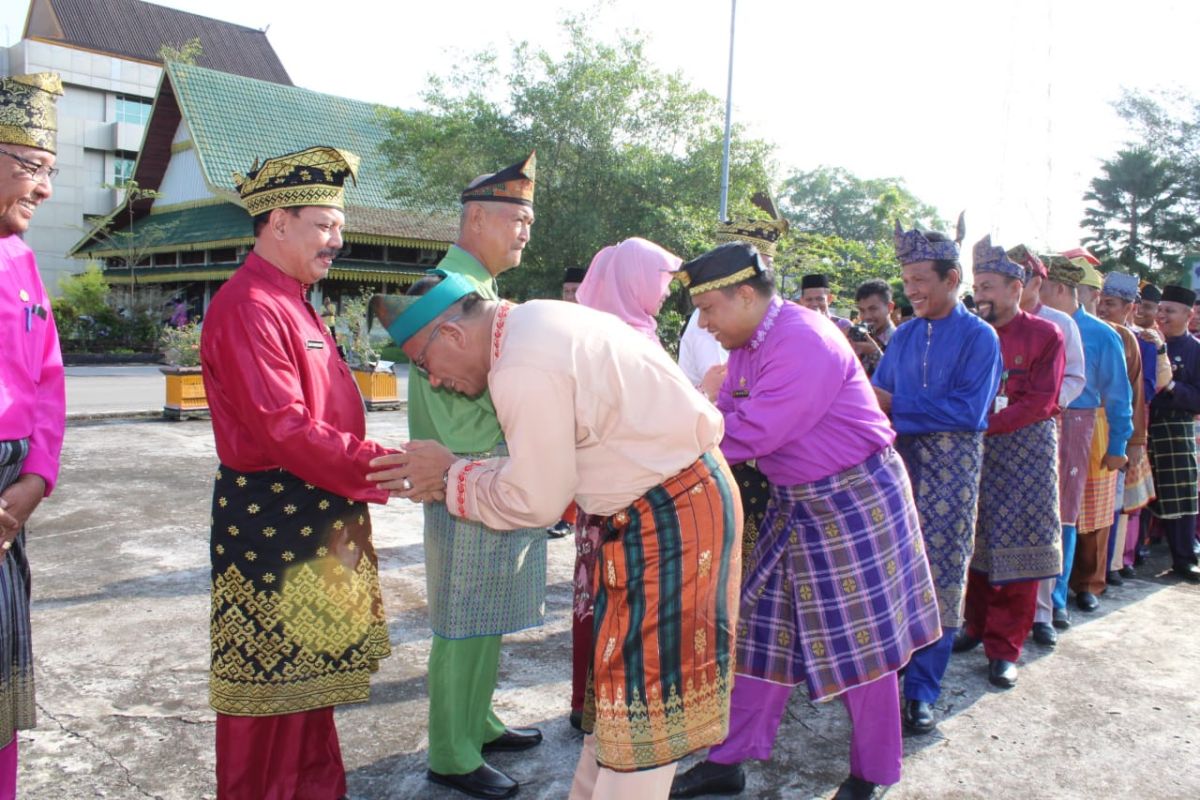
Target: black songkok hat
(510,185)
(725,265)
(1178,294)
(814,281)
(1151,292)
(574,274)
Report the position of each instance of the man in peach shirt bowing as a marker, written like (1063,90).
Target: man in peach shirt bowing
(595,412)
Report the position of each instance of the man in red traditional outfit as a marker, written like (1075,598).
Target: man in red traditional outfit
(1018,539)
(297,618)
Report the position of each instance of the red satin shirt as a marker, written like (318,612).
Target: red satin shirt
(279,393)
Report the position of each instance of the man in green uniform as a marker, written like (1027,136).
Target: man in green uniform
(481,583)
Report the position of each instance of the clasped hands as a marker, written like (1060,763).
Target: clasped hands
(415,472)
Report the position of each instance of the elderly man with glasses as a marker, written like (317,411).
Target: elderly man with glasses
(32,389)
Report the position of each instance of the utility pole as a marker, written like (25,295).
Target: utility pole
(728,119)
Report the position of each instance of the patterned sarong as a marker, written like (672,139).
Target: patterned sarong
(1139,484)
(1173,459)
(17,709)
(944,471)
(482,582)
(839,593)
(1074,449)
(1019,534)
(667,581)
(1100,490)
(755,492)
(297,616)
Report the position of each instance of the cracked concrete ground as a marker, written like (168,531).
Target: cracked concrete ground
(120,617)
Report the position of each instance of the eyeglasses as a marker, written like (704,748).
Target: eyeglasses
(418,361)
(38,172)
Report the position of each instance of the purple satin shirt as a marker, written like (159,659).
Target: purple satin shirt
(796,399)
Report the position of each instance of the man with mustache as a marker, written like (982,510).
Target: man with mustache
(32,395)
(937,379)
(297,620)
(1017,536)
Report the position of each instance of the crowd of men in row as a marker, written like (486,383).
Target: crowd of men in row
(991,462)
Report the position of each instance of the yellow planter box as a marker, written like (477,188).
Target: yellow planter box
(378,389)
(185,392)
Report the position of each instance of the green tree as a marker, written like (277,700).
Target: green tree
(833,202)
(186,53)
(1136,213)
(623,148)
(846,262)
(85,293)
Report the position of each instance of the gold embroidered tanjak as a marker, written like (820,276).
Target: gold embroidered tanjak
(312,177)
(27,112)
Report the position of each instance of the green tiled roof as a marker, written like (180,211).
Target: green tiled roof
(343,269)
(235,121)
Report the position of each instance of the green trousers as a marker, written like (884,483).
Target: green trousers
(462,678)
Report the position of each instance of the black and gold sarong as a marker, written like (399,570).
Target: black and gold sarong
(297,615)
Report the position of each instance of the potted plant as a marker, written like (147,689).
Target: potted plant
(185,386)
(376,380)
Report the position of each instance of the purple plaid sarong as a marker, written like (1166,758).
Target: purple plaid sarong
(838,592)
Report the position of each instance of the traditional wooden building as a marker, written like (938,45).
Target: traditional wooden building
(205,126)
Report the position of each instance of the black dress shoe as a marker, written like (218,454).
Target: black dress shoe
(1189,572)
(1087,601)
(558,530)
(1044,634)
(576,720)
(854,788)
(486,782)
(709,777)
(1127,572)
(1062,618)
(513,740)
(963,641)
(1002,673)
(1113,578)
(918,716)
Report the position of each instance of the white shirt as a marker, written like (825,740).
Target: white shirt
(699,350)
(1074,377)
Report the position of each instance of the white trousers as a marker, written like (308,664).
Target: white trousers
(594,782)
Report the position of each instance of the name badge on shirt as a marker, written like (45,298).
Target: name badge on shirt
(314,344)
(1000,404)
(741,393)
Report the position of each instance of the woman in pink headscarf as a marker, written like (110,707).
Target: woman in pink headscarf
(629,280)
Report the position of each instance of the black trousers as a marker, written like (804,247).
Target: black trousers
(1180,534)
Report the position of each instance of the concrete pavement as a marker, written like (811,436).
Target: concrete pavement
(120,615)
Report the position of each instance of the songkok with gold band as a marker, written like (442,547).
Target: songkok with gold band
(725,265)
(1026,258)
(914,246)
(1061,269)
(404,315)
(986,258)
(27,113)
(1122,286)
(312,177)
(510,185)
(764,234)
(1178,294)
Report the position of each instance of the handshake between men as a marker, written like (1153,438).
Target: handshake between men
(416,472)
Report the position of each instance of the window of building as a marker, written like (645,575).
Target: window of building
(191,257)
(223,255)
(135,110)
(123,162)
(367,252)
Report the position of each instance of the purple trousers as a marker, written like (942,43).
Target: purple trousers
(876,748)
(8,770)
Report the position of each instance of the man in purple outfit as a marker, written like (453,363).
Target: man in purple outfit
(837,592)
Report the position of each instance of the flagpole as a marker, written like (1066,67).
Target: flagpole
(728,119)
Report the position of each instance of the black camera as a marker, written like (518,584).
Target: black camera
(859,332)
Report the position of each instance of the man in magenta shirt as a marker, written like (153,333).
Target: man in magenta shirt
(32,395)
(840,549)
